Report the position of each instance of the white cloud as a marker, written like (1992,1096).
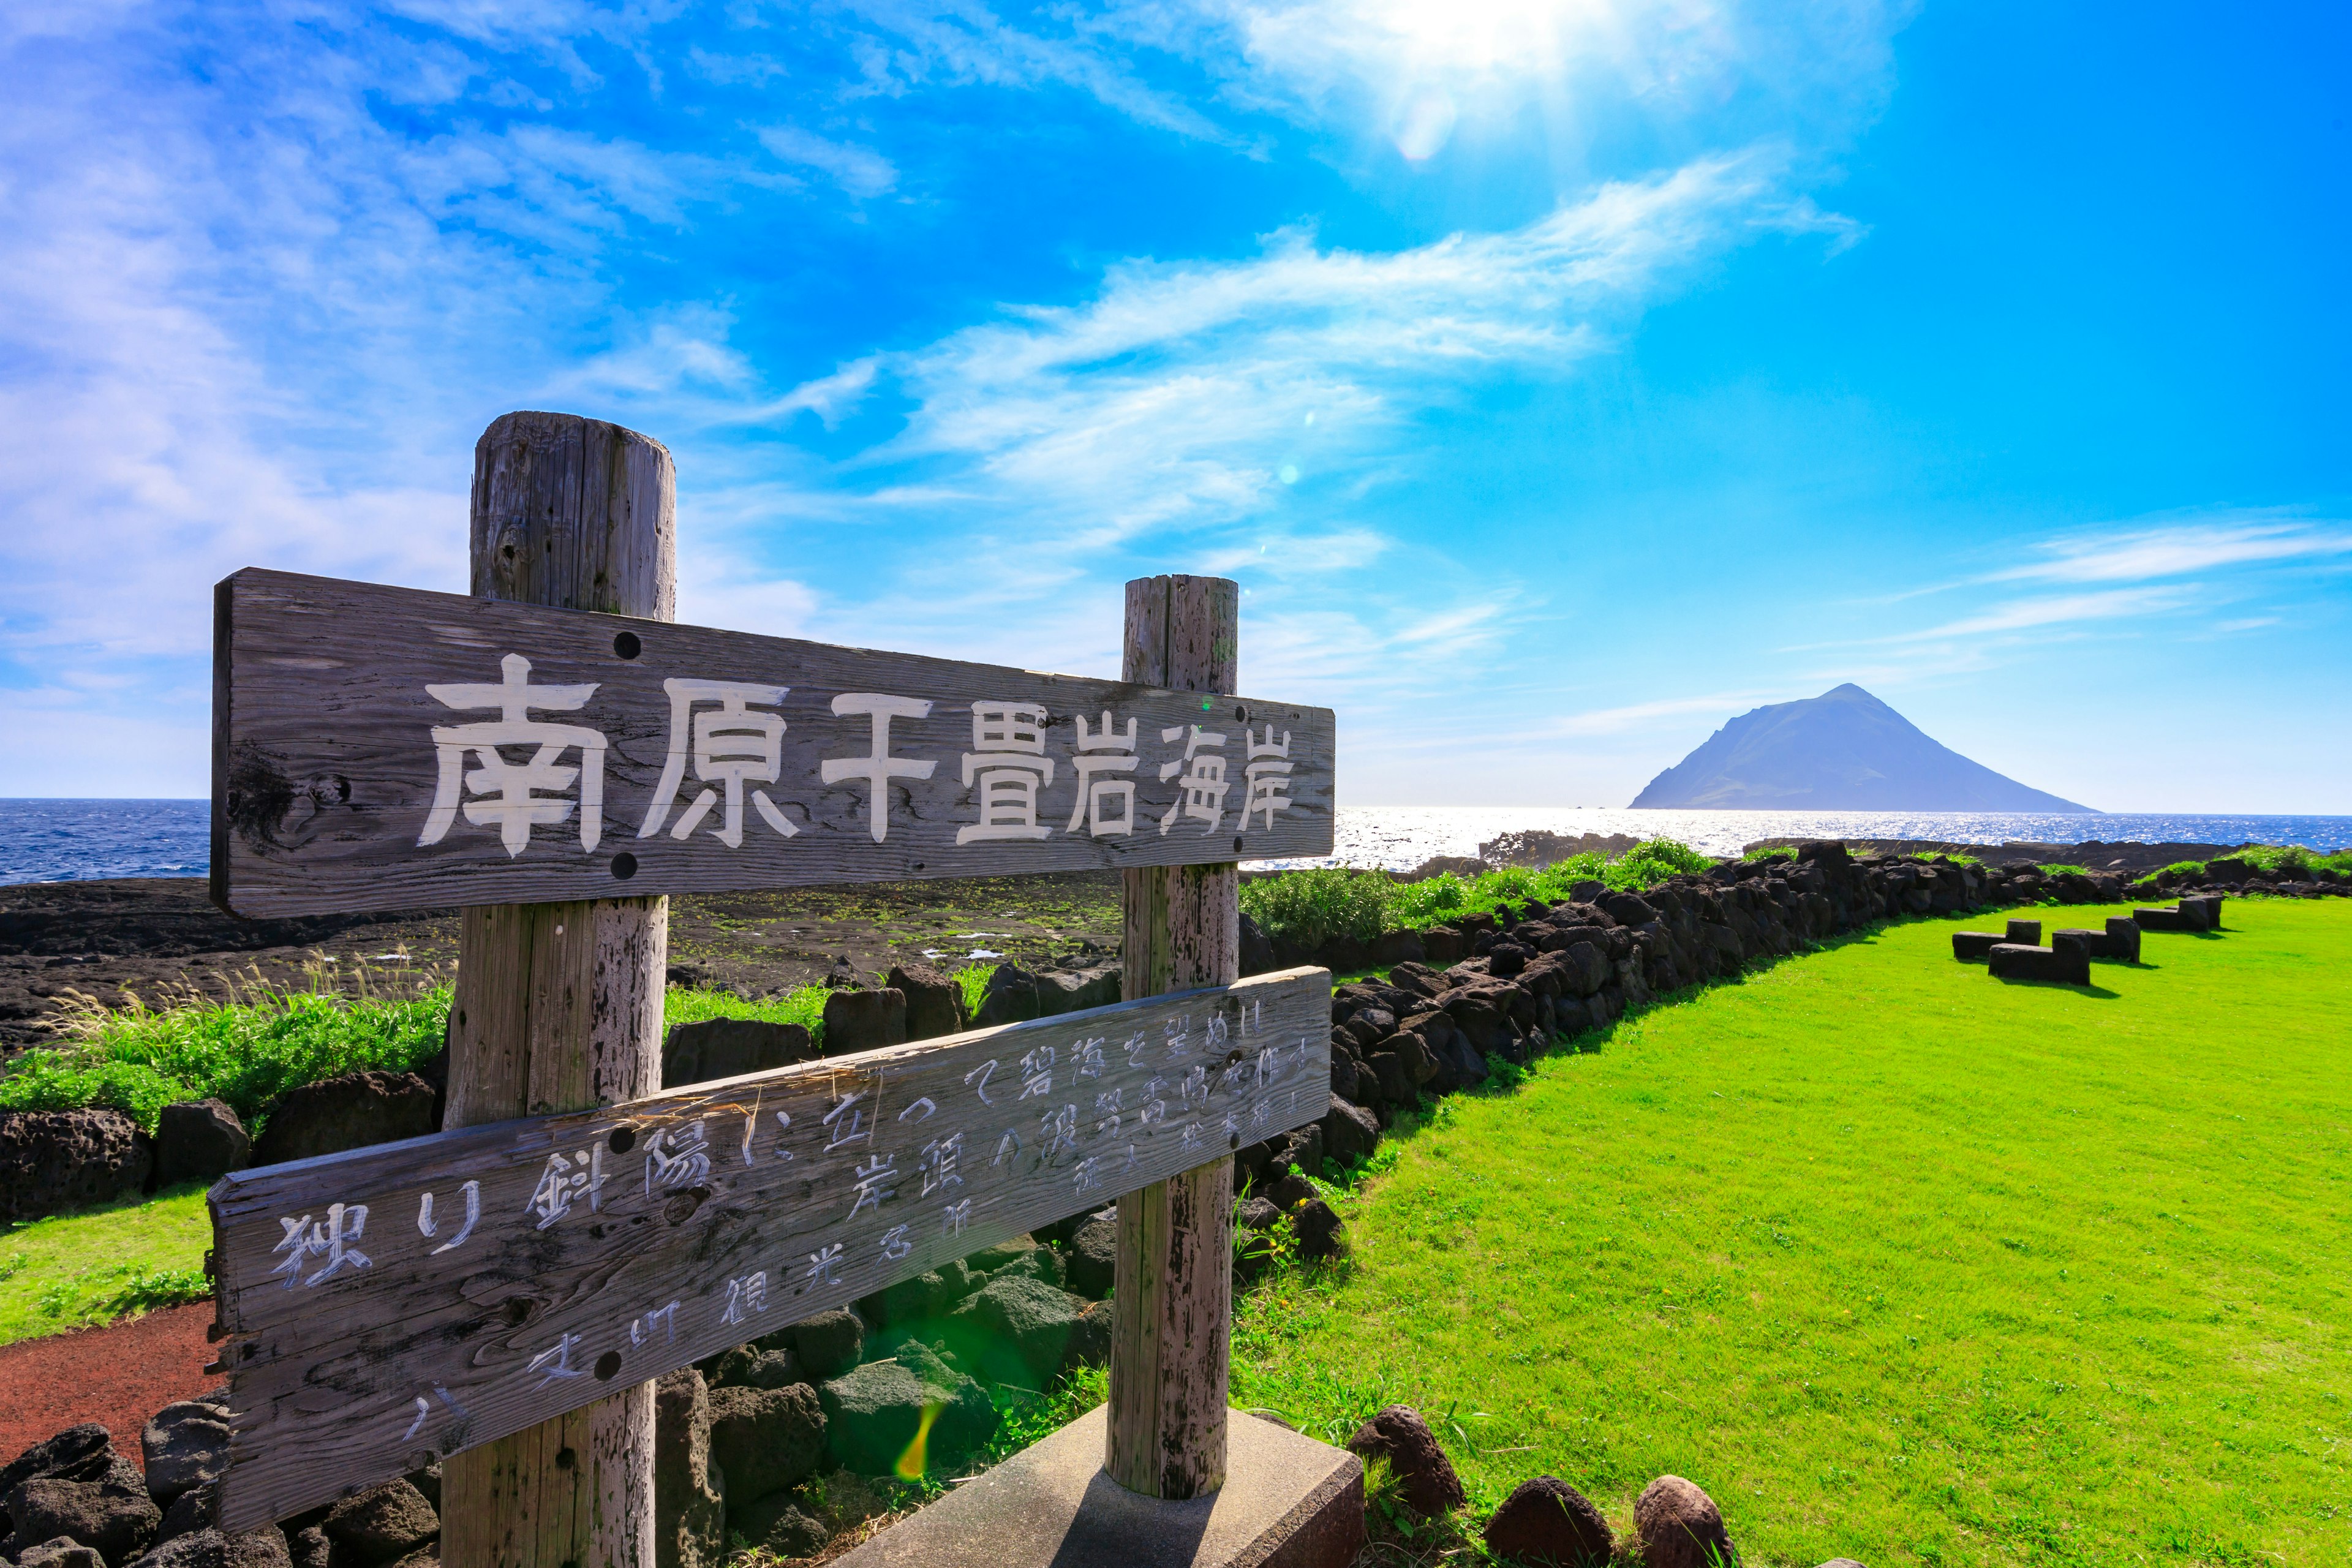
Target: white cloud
(2138,555)
(859,170)
(1182,392)
(963,43)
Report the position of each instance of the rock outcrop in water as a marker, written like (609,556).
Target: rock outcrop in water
(1843,751)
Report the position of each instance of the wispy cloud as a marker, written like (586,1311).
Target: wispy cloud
(2138,555)
(859,170)
(1642,715)
(1188,393)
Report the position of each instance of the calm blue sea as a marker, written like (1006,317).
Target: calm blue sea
(74,841)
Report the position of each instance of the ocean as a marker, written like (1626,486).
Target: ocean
(77,840)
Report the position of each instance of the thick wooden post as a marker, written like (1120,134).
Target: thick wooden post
(1172,1328)
(559,1006)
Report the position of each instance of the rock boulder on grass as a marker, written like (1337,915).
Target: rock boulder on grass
(690,1512)
(1425,1474)
(934,1001)
(828,1343)
(208,1548)
(874,1413)
(1017,1329)
(1349,1132)
(730,1047)
(55,1161)
(115,1515)
(83,1453)
(349,1112)
(1094,1257)
(749,1366)
(1322,1237)
(1545,1520)
(198,1141)
(778,1525)
(766,1440)
(1680,1527)
(382,1525)
(864,1020)
(62,1553)
(185,1445)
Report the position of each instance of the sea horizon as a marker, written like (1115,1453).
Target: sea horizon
(66,839)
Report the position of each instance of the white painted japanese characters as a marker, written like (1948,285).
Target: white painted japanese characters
(381,748)
(397,1303)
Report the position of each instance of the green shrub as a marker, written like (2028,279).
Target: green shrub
(1313,907)
(2050,870)
(249,1051)
(973,978)
(1777,852)
(1310,907)
(2296,858)
(804,1006)
(245,1052)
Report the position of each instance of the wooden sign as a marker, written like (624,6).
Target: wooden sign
(411,1300)
(384,748)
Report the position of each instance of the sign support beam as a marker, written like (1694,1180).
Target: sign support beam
(558,1005)
(1166,1433)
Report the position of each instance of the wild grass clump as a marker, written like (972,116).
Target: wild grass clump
(245,1052)
(1313,907)
(2049,869)
(973,980)
(803,1005)
(1772,852)
(2294,858)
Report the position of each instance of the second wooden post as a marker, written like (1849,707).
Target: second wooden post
(558,1006)
(1171,1324)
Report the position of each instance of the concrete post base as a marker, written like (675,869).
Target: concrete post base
(1289,1501)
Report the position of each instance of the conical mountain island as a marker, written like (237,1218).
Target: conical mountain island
(1843,751)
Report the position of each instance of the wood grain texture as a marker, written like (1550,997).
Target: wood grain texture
(328,774)
(1172,1331)
(611,1246)
(563,1000)
(576,514)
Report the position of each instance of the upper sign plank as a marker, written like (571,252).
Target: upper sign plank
(383,749)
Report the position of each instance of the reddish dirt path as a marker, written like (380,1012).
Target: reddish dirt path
(121,1375)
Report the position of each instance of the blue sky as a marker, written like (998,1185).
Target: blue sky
(1558,379)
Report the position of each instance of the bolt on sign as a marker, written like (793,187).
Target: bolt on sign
(393,1304)
(386,748)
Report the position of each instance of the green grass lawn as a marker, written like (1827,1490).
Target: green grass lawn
(72,1270)
(1898,1261)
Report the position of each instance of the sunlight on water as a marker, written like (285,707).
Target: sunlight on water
(75,840)
(1402,837)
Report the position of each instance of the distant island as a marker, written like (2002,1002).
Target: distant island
(1843,751)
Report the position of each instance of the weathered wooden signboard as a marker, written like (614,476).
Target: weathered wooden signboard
(411,1300)
(386,748)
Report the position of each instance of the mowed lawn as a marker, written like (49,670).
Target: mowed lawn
(1897,1260)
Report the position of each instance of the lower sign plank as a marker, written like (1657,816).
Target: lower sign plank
(411,1300)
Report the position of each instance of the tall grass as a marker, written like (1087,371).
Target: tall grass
(245,1052)
(803,1005)
(1313,907)
(251,1049)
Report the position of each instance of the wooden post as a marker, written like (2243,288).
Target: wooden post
(559,1006)
(1172,1328)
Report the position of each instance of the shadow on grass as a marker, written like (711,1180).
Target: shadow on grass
(2096,993)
